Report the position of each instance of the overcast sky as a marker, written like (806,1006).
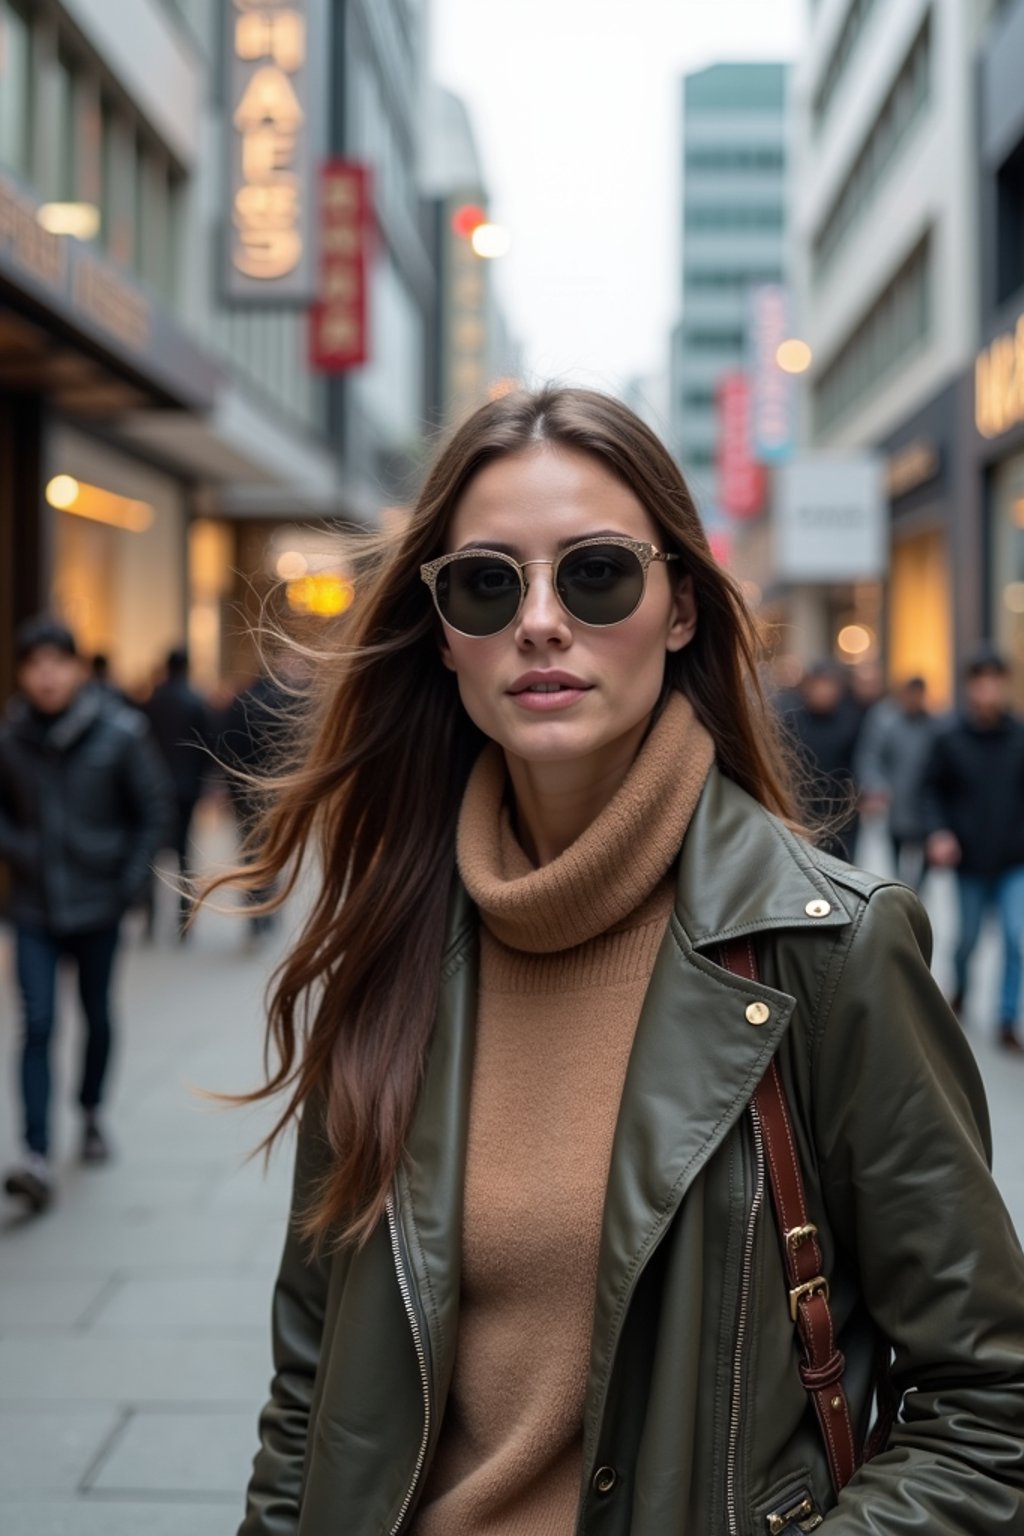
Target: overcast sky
(576,106)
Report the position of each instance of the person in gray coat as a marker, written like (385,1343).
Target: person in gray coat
(892,759)
(84,801)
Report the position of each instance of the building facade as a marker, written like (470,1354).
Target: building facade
(997,385)
(734,238)
(165,442)
(888,261)
(471,348)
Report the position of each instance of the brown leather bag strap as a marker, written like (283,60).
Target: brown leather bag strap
(823,1364)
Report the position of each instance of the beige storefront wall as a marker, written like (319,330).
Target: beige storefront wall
(1007,584)
(920,614)
(118,575)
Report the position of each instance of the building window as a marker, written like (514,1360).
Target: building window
(742,216)
(856,19)
(154,204)
(899,113)
(734,157)
(698,399)
(119,153)
(15,86)
(701,279)
(65,134)
(1010,226)
(713,338)
(886,336)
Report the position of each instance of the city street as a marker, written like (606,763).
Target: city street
(134,1340)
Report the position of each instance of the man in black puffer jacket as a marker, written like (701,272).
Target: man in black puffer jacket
(974,813)
(84,804)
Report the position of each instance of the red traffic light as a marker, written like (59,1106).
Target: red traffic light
(467,218)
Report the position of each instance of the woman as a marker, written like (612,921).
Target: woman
(533,1282)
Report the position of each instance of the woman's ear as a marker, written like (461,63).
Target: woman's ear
(683,618)
(446,652)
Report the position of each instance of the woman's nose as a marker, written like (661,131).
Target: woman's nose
(542,615)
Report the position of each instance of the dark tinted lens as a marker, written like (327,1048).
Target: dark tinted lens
(601,583)
(478,594)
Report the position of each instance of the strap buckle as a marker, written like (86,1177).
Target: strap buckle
(817,1286)
(797,1235)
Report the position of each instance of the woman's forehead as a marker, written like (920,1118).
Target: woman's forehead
(547,491)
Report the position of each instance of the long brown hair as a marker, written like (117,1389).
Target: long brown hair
(374,800)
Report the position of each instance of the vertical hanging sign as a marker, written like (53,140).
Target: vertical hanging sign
(741,479)
(338,334)
(268,245)
(773,404)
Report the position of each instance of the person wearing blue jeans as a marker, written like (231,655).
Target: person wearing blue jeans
(37,959)
(978,895)
(973,810)
(84,802)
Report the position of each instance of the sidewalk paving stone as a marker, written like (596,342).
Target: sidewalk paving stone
(176,1451)
(51,1450)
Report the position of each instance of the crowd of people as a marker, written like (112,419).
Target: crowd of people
(950,787)
(93,788)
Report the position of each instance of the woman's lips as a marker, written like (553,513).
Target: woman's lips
(544,701)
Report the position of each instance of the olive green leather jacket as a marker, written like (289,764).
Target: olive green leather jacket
(696,1421)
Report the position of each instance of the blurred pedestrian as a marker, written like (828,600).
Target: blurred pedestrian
(825,724)
(892,757)
(866,686)
(83,803)
(252,733)
(533,1280)
(974,812)
(183,731)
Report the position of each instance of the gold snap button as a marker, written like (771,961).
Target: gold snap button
(758,1013)
(604,1479)
(818,908)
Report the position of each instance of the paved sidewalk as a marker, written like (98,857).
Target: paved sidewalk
(134,1339)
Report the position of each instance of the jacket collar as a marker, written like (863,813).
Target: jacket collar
(742,871)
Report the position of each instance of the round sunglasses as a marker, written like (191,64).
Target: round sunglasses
(599,581)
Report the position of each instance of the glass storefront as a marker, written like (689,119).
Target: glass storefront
(1007,583)
(118,557)
(920,614)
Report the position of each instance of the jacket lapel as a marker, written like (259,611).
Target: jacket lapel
(696,1057)
(433,1177)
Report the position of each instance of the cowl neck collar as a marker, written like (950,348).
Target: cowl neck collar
(612,867)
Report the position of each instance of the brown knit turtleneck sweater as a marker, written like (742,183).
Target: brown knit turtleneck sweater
(566,954)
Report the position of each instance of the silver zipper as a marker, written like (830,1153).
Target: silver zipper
(421,1355)
(741,1326)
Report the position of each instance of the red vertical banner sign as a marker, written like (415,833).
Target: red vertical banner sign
(339,322)
(741,479)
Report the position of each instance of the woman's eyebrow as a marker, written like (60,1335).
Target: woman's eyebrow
(572,538)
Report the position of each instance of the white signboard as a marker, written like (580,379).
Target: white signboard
(829,519)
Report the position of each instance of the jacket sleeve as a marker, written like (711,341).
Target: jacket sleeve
(902,1130)
(273,1497)
(148,793)
(935,789)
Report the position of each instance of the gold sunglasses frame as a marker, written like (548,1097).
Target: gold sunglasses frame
(645,552)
